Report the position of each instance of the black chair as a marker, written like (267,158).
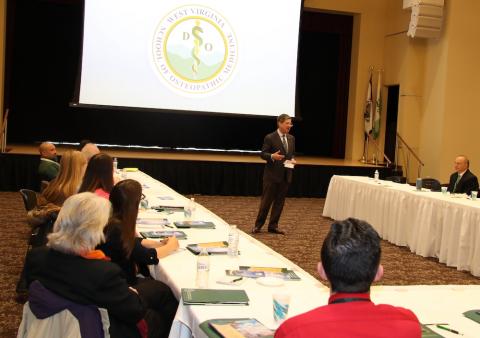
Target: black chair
(396,179)
(432,184)
(29,198)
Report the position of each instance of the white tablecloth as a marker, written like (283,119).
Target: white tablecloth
(431,224)
(432,304)
(179,269)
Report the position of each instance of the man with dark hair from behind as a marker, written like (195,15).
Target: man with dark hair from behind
(351,262)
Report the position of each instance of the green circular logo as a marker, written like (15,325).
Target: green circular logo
(194,50)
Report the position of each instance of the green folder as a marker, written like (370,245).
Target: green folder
(214,297)
(429,333)
(194,225)
(473,315)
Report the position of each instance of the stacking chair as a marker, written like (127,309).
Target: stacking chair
(396,179)
(69,319)
(432,184)
(29,198)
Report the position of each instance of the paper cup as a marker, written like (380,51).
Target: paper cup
(474,195)
(281,302)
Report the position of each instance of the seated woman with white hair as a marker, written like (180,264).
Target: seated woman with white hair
(71,267)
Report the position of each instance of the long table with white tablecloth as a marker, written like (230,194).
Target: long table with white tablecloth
(179,270)
(431,224)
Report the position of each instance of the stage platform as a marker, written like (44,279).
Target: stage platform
(195,172)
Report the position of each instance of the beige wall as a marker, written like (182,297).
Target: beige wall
(367,50)
(439,80)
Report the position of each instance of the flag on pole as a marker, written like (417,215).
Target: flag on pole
(368,113)
(378,107)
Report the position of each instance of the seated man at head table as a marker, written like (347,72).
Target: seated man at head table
(351,262)
(49,167)
(462,181)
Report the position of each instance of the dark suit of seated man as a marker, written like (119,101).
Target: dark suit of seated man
(351,262)
(462,181)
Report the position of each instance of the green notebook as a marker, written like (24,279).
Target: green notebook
(214,297)
(429,333)
(194,225)
(246,327)
(473,315)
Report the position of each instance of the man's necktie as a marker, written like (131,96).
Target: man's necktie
(456,182)
(285,144)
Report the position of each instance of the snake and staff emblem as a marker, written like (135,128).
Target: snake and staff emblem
(195,50)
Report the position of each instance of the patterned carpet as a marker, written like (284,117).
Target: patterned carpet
(302,220)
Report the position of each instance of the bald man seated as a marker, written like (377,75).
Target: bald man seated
(49,166)
(462,181)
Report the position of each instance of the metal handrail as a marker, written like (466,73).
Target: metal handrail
(380,151)
(410,150)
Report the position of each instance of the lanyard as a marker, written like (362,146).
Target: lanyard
(349,300)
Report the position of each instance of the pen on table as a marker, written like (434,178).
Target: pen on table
(168,226)
(237,279)
(447,329)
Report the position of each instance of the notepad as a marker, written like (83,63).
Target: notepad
(153,221)
(194,225)
(163,234)
(236,327)
(220,247)
(214,297)
(257,272)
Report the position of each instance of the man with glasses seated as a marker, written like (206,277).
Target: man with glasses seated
(462,181)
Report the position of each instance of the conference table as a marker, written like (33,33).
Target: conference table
(431,224)
(432,304)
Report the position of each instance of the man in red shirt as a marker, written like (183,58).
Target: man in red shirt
(351,262)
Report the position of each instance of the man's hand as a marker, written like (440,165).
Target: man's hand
(277,157)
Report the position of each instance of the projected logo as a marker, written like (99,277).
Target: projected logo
(195,50)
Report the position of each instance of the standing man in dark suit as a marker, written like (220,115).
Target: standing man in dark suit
(462,181)
(278,150)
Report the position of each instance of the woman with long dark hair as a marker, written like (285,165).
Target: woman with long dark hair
(98,176)
(129,251)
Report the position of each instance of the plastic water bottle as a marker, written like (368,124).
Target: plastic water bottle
(187,211)
(233,238)
(418,184)
(115,164)
(193,207)
(203,269)
(376,176)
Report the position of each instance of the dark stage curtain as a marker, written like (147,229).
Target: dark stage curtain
(195,177)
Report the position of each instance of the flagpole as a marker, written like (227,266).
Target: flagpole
(368,116)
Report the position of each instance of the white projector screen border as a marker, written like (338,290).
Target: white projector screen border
(139,85)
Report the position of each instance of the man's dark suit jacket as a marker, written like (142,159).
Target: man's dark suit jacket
(274,170)
(88,281)
(467,183)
